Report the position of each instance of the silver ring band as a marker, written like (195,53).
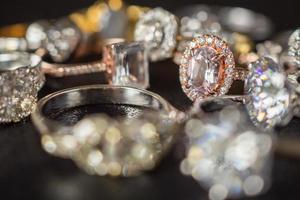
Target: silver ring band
(111,146)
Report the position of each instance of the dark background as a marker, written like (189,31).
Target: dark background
(27,172)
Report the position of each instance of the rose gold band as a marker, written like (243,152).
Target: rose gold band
(60,70)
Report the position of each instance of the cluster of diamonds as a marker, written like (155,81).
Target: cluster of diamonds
(223,74)
(18,93)
(269,98)
(158,29)
(59,38)
(294,45)
(104,146)
(225,153)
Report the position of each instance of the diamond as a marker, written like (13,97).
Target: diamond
(128,64)
(135,145)
(294,45)
(268,96)
(207,73)
(60,38)
(224,149)
(19,85)
(158,29)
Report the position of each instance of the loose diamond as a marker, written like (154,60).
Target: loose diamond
(268,96)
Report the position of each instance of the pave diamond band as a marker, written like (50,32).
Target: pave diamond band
(20,79)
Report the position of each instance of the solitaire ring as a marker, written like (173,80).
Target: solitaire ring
(125,63)
(102,145)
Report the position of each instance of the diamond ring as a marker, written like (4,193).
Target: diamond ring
(75,35)
(208,68)
(124,64)
(56,38)
(224,151)
(165,37)
(20,79)
(118,146)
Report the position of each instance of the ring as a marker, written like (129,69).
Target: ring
(225,153)
(124,63)
(104,145)
(77,34)
(20,78)
(208,68)
(160,31)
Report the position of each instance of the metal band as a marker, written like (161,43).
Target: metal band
(60,70)
(103,145)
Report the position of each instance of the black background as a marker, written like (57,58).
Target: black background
(27,172)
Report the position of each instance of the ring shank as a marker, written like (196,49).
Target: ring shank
(61,70)
(105,95)
(91,95)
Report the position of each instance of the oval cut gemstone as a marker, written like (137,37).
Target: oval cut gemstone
(268,98)
(206,69)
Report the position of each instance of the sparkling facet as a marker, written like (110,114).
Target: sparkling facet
(204,68)
(128,63)
(268,98)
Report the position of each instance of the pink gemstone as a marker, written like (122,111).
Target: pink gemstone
(206,70)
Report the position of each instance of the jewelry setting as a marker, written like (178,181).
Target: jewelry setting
(206,68)
(20,78)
